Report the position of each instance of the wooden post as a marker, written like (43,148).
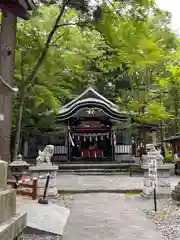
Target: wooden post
(155,201)
(7,50)
(34,190)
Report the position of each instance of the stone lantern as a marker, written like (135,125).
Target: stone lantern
(18,168)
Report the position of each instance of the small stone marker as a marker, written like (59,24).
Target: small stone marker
(152,170)
(156,175)
(153,175)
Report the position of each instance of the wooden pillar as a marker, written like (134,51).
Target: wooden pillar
(7,50)
(26,147)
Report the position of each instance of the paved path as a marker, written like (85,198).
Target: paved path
(103,182)
(108,217)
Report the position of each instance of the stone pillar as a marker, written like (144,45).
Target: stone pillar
(154,138)
(43,169)
(11,223)
(163,181)
(7,50)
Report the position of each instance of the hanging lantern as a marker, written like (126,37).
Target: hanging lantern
(96,137)
(78,138)
(90,138)
(84,137)
(101,137)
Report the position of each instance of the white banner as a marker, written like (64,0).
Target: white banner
(153,169)
(71,140)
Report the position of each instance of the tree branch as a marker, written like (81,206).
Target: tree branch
(111,4)
(53,43)
(47,44)
(22,68)
(80,24)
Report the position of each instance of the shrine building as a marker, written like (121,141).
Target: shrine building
(88,132)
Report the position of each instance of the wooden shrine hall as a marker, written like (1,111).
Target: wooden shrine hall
(88,132)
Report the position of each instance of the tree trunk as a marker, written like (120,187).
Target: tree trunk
(7,50)
(18,128)
(176,118)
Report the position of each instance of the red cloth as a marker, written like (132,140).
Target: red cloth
(92,153)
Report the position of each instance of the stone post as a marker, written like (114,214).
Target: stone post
(7,50)
(11,223)
(163,181)
(42,170)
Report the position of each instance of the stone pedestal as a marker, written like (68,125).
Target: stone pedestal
(163,181)
(176,192)
(11,223)
(43,169)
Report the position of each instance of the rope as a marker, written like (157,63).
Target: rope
(32,179)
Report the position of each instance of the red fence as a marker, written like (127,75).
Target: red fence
(25,189)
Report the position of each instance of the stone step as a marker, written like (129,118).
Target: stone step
(98,170)
(7,204)
(75,166)
(98,173)
(12,227)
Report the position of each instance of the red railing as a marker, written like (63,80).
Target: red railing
(25,189)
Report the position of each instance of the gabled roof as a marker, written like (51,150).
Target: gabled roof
(90,93)
(91,99)
(18,8)
(31,4)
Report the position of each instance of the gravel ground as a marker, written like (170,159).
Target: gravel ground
(167,217)
(62,200)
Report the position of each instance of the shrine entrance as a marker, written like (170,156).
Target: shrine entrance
(90,139)
(90,121)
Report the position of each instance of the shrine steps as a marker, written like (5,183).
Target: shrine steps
(95,168)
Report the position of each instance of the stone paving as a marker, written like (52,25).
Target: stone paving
(102,182)
(108,217)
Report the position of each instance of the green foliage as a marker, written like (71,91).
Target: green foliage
(169,157)
(64,70)
(127,50)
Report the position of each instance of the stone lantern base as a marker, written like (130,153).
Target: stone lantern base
(163,181)
(176,192)
(43,169)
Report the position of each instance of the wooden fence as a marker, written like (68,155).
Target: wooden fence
(25,189)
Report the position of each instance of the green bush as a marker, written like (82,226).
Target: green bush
(168,157)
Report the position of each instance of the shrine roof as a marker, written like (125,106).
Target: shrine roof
(91,99)
(90,93)
(18,8)
(176,137)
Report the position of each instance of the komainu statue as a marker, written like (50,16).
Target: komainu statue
(45,155)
